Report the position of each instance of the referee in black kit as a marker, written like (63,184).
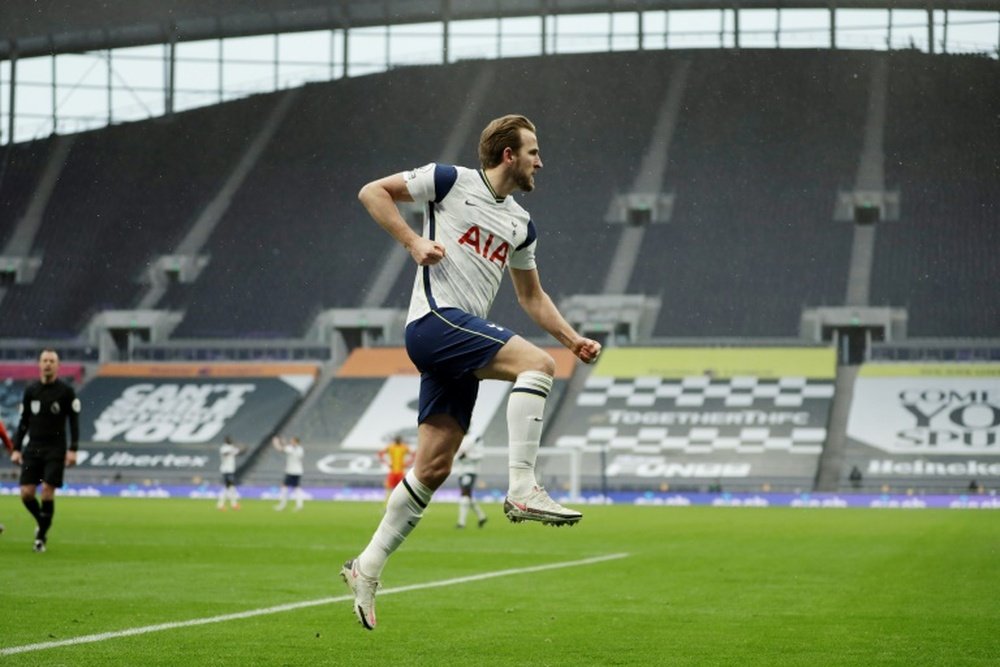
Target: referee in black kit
(45,408)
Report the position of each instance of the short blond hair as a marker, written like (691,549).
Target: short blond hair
(501,133)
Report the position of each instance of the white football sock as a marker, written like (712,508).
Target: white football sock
(403,511)
(525,409)
(463,509)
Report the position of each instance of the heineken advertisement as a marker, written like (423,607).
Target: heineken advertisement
(936,424)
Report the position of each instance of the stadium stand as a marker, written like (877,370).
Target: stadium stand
(295,226)
(745,193)
(316,164)
(21,167)
(124,196)
(940,258)
(764,142)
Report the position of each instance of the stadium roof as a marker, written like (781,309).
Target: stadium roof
(42,27)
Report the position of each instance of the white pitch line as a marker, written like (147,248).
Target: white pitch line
(292,606)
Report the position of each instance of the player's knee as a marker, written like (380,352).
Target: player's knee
(541,361)
(434,476)
(434,472)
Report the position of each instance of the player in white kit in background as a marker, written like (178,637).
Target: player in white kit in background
(294,456)
(467,464)
(227,466)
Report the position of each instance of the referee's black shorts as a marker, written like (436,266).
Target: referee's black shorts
(43,464)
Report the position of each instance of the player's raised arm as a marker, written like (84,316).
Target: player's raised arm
(379,199)
(539,306)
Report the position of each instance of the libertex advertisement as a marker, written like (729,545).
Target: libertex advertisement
(174,417)
(932,423)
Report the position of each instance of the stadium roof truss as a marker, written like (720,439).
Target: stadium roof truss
(30,28)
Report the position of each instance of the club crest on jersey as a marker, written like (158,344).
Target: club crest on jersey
(473,238)
(513,230)
(54,408)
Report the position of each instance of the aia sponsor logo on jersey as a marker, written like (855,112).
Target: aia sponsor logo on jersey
(474,239)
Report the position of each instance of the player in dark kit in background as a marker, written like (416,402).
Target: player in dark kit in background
(8,445)
(46,407)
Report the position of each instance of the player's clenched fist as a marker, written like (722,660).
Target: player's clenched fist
(587,350)
(426,252)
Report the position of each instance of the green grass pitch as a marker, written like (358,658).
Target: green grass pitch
(699,586)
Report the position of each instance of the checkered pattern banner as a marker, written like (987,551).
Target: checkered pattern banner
(702,415)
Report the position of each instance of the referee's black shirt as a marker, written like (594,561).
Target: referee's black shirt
(45,409)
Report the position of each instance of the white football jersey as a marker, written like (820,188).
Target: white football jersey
(227,454)
(481,233)
(469,456)
(293,459)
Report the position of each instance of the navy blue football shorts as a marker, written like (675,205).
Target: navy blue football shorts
(448,346)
